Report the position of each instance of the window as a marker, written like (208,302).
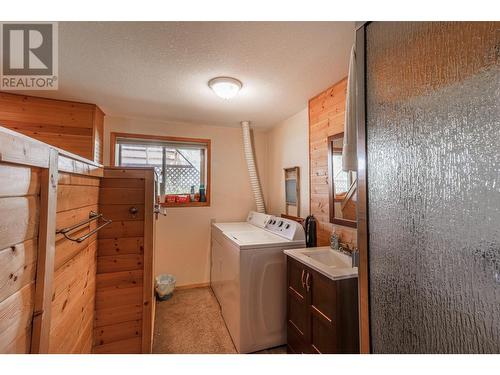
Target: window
(182,164)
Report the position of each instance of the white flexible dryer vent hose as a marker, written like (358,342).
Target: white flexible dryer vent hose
(252,171)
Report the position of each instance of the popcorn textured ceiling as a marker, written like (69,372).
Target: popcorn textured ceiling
(160,70)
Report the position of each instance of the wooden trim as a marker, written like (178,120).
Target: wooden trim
(112,144)
(331,186)
(148,259)
(46,256)
(76,157)
(165,138)
(187,204)
(18,148)
(362,204)
(205,141)
(126,172)
(208,168)
(192,286)
(68,163)
(309,153)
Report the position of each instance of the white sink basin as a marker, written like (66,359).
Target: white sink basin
(329,258)
(333,264)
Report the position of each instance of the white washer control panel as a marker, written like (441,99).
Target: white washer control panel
(289,229)
(258,219)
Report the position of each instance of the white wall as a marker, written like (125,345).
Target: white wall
(288,146)
(183,236)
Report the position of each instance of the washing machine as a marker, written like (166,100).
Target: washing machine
(248,277)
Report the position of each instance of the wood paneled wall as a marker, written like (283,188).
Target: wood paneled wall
(326,118)
(73,298)
(124,297)
(50,298)
(47,283)
(19,207)
(72,126)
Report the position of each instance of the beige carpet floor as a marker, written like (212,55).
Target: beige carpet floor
(191,323)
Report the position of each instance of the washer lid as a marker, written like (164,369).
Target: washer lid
(234,227)
(258,239)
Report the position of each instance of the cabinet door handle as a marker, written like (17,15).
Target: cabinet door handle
(302,279)
(308,284)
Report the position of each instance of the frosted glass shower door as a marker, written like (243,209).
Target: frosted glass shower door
(433,166)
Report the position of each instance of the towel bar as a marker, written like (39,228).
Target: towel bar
(92,216)
(83,238)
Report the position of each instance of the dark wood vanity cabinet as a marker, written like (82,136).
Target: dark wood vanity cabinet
(322,314)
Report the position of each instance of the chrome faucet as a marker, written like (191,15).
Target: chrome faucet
(352,252)
(344,248)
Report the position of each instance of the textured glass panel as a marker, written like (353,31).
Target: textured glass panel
(433,138)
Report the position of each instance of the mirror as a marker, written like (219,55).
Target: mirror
(343,185)
(292,191)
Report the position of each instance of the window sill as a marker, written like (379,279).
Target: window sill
(187,204)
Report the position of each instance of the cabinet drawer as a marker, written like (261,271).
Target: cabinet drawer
(323,293)
(297,313)
(295,342)
(323,336)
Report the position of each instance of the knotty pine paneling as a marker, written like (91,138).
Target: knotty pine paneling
(326,118)
(115,315)
(117,332)
(17,267)
(18,181)
(71,126)
(122,266)
(73,301)
(16,313)
(75,267)
(127,346)
(117,246)
(19,205)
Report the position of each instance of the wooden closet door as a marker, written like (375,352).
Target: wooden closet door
(124,296)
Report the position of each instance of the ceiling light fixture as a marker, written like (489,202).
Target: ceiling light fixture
(225,87)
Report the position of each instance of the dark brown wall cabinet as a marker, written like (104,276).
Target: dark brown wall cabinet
(322,314)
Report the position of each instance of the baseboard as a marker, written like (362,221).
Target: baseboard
(192,286)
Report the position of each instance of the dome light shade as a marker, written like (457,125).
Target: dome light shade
(225,87)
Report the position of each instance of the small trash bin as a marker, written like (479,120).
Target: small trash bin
(164,286)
